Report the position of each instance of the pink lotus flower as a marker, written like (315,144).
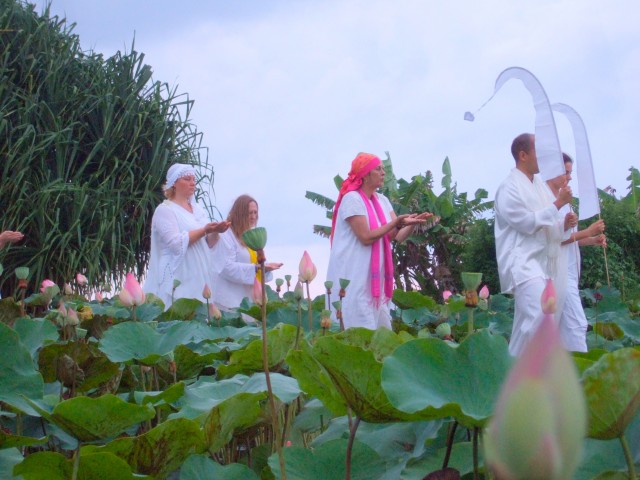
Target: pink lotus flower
(45,284)
(256,292)
(206,292)
(131,294)
(307,271)
(81,280)
(540,418)
(446,294)
(484,292)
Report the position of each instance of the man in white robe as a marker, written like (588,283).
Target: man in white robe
(528,233)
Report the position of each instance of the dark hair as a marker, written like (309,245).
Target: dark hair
(239,215)
(522,143)
(566,158)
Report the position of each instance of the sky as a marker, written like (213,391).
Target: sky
(286,93)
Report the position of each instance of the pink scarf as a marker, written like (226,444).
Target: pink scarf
(360,167)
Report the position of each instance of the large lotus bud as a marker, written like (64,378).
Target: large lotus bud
(298,292)
(206,292)
(255,238)
(446,294)
(132,293)
(484,293)
(256,292)
(45,284)
(540,418)
(306,270)
(81,280)
(214,311)
(72,317)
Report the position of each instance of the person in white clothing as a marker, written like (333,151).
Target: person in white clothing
(235,264)
(363,226)
(573,322)
(528,231)
(181,238)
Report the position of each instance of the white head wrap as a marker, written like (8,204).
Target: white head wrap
(177,171)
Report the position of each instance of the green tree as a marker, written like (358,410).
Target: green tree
(84,145)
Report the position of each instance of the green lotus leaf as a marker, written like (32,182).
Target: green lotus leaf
(584,360)
(184,309)
(169,396)
(315,380)
(18,376)
(313,417)
(461,459)
(90,419)
(198,467)
(353,360)
(9,458)
(158,452)
(255,238)
(8,440)
(54,466)
(189,363)
(612,390)
(232,417)
(35,332)
(609,330)
(432,379)
(97,368)
(327,461)
(407,300)
(9,311)
(280,340)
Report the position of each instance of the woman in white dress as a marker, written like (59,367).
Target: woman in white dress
(363,226)
(181,239)
(234,263)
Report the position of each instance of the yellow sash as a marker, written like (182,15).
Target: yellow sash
(254,259)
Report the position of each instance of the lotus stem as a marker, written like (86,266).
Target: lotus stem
(476,434)
(76,462)
(265,367)
(352,437)
(209,315)
(628,457)
(450,436)
(299,326)
(310,309)
(470,321)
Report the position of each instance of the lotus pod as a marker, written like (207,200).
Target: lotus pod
(22,273)
(471,280)
(344,283)
(255,238)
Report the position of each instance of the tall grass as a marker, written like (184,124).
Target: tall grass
(85,143)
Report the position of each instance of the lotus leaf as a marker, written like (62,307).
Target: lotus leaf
(353,361)
(231,417)
(54,466)
(90,419)
(35,332)
(612,390)
(158,452)
(9,458)
(280,339)
(171,395)
(198,467)
(184,309)
(97,368)
(609,330)
(461,459)
(9,311)
(8,440)
(433,379)
(327,461)
(407,300)
(18,376)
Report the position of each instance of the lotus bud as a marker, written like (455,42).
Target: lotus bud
(540,417)
(81,280)
(45,284)
(325,319)
(62,309)
(255,238)
(214,311)
(99,297)
(71,318)
(206,292)
(443,330)
(67,289)
(446,294)
(484,293)
(328,285)
(298,292)
(131,294)
(256,292)
(176,283)
(548,298)
(307,271)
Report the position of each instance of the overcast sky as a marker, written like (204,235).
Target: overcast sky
(288,92)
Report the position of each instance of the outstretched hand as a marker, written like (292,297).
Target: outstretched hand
(217,227)
(413,218)
(9,236)
(269,267)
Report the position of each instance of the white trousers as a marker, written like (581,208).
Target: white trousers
(573,322)
(528,313)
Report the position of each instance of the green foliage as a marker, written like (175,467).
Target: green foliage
(85,141)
